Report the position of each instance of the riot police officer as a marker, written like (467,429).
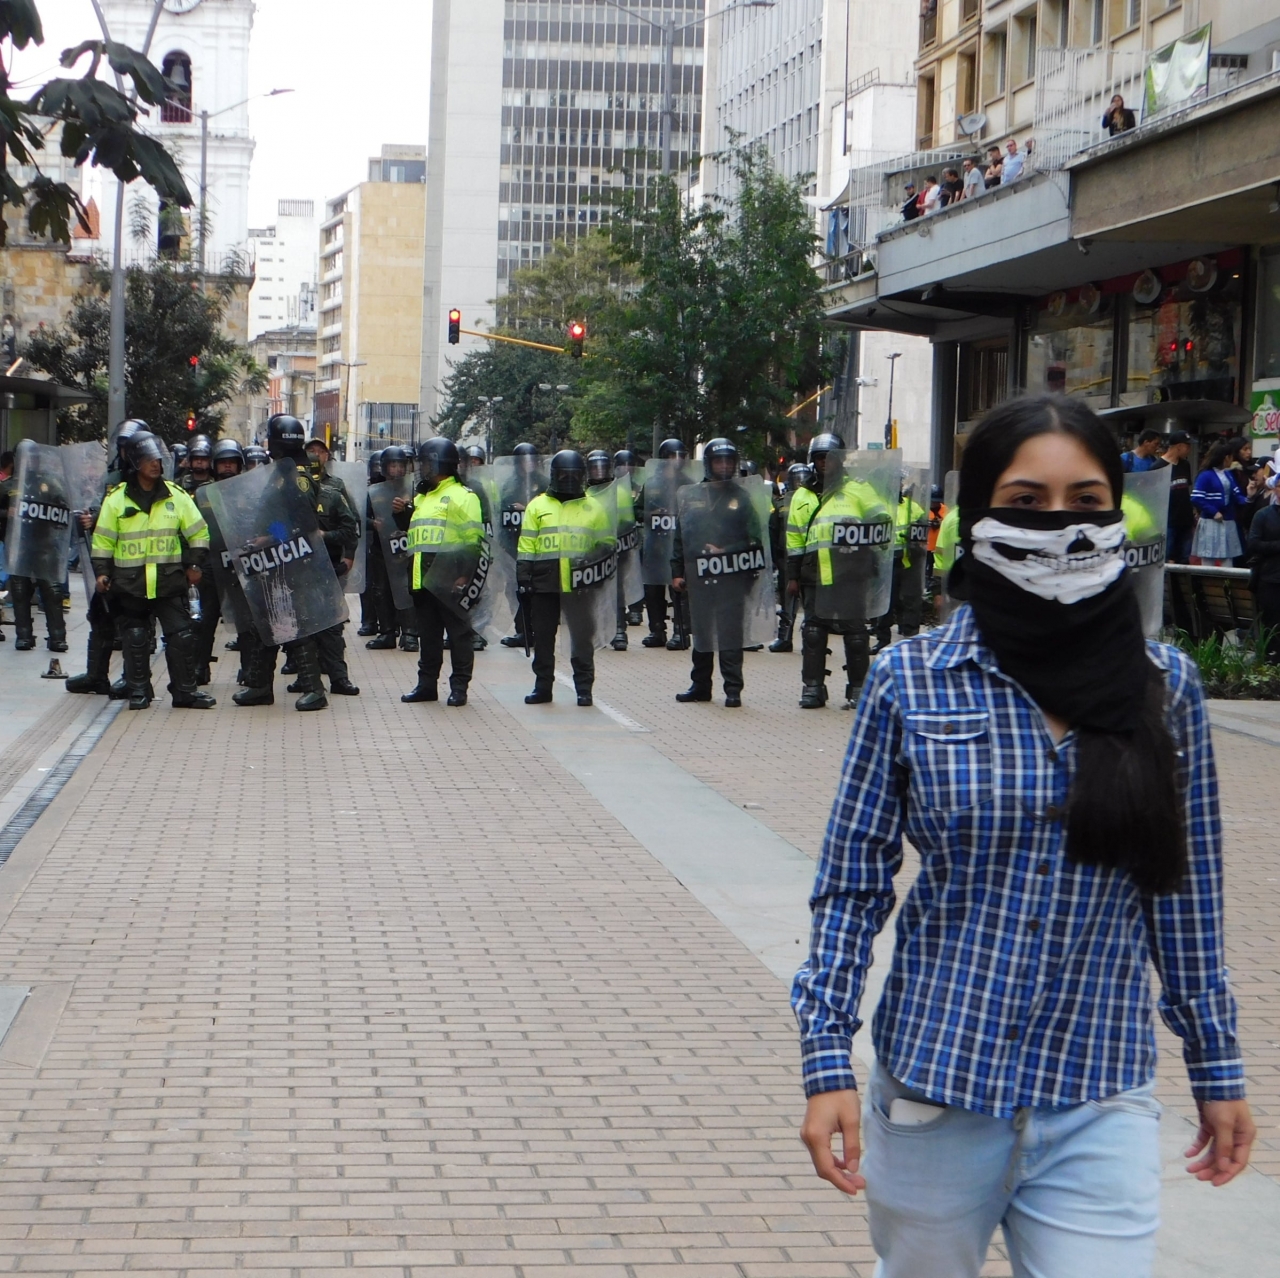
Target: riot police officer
(375,564)
(567,556)
(150,546)
(626,466)
(814,513)
(446,540)
(254,456)
(179,454)
(724,526)
(906,608)
(599,476)
(46,491)
(672,451)
(799,475)
(286,438)
(199,469)
(392,621)
(527,483)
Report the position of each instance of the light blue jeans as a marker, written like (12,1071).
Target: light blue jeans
(1076,1191)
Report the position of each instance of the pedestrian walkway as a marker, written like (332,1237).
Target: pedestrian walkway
(403,988)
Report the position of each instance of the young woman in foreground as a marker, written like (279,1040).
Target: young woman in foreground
(1056,774)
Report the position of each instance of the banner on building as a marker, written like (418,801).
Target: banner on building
(1177,74)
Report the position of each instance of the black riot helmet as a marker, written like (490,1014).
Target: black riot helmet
(475,455)
(227,452)
(437,459)
(286,437)
(395,455)
(819,447)
(179,457)
(747,468)
(200,448)
(255,455)
(800,475)
(599,467)
(143,446)
(122,433)
(672,448)
(626,459)
(720,459)
(527,456)
(568,474)
(374,464)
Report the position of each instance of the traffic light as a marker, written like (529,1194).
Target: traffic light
(455,326)
(194,361)
(191,421)
(577,335)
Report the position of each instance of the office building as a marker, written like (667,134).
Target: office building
(285,261)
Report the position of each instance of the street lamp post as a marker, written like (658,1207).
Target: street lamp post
(888,422)
(669,29)
(491,403)
(560,388)
(346,389)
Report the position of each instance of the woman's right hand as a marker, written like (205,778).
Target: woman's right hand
(1218,516)
(824,1116)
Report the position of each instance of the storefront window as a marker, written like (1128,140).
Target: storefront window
(1186,344)
(1268,350)
(1071,353)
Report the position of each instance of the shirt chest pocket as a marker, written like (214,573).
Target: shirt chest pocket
(949,758)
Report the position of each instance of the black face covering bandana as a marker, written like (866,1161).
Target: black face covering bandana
(1084,661)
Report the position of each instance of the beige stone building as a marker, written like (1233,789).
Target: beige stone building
(369,326)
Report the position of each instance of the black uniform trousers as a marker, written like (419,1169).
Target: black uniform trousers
(546,612)
(210,614)
(22,591)
(379,591)
(813,646)
(1268,603)
(170,611)
(433,621)
(906,606)
(704,665)
(332,648)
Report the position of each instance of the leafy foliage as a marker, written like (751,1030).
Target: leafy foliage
(1234,671)
(702,320)
(171,317)
(97,125)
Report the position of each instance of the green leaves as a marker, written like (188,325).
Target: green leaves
(96,121)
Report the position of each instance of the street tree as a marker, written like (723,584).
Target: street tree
(181,368)
(93,121)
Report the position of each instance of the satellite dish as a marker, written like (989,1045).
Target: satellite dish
(973,124)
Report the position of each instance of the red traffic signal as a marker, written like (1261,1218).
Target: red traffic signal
(191,421)
(577,335)
(194,361)
(455,326)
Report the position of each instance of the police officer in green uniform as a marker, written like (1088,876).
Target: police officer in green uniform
(906,607)
(392,621)
(562,522)
(813,515)
(199,467)
(626,466)
(446,532)
(150,546)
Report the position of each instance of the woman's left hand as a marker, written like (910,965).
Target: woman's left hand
(1223,1142)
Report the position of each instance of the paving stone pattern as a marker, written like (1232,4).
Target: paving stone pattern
(385,989)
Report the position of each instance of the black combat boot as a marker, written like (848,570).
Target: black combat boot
(136,651)
(307,658)
(180,655)
(97,676)
(258,680)
(813,666)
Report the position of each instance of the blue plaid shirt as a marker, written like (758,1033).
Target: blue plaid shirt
(1019,978)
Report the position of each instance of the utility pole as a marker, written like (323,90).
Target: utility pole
(116,404)
(668,72)
(888,423)
(204,187)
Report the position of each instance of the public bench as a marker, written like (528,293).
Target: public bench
(1206,601)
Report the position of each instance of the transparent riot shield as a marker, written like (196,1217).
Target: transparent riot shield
(355,478)
(912,536)
(85,467)
(512,483)
(630,579)
(663,479)
(724,534)
(270,526)
(230,593)
(849,549)
(947,545)
(457,573)
(38,537)
(1146,518)
(395,543)
(589,571)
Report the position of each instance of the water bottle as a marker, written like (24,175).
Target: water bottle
(193,603)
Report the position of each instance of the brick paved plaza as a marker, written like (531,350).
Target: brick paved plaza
(397,989)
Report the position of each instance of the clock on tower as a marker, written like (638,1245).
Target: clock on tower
(180,6)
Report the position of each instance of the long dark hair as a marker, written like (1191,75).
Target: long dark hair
(1125,809)
(1221,455)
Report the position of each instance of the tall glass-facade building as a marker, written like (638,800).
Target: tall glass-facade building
(582,99)
(764,84)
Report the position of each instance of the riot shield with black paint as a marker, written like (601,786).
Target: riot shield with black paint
(849,549)
(231,597)
(268,520)
(85,468)
(395,543)
(724,534)
(38,536)
(512,483)
(355,478)
(588,571)
(663,479)
(1146,517)
(912,544)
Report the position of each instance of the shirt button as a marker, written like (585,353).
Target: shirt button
(1053,813)
(1013,1032)
(1034,925)
(948,729)
(1043,867)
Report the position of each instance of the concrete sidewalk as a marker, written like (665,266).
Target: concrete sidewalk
(394,988)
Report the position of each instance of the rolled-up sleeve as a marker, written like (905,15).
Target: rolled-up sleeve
(853,893)
(1186,926)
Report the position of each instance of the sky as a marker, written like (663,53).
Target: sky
(360,78)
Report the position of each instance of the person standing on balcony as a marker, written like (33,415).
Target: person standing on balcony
(911,205)
(1013,163)
(973,184)
(1118,119)
(952,187)
(931,200)
(995,163)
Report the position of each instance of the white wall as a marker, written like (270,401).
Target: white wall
(912,393)
(284,263)
(463,155)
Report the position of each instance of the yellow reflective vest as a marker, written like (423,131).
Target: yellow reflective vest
(812,521)
(145,552)
(911,512)
(446,518)
(556,536)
